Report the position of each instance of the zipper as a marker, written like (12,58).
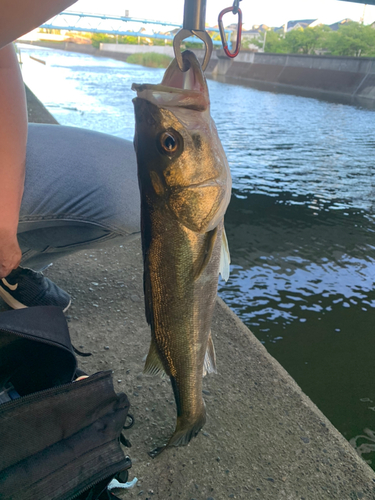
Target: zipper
(34,396)
(37,339)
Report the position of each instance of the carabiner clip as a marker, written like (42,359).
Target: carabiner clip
(239,30)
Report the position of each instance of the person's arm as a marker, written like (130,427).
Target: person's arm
(17,18)
(21,16)
(13,135)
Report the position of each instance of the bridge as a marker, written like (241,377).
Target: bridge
(114,25)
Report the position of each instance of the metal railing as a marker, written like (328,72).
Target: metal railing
(113,25)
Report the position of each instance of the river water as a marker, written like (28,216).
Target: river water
(301,223)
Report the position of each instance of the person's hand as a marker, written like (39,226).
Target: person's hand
(10,253)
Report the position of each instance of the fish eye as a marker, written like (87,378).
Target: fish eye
(169,142)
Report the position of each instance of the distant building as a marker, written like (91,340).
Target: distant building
(301,23)
(249,36)
(297,24)
(336,26)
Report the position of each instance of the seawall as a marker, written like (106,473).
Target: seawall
(345,78)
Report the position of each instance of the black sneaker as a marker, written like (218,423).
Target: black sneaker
(26,288)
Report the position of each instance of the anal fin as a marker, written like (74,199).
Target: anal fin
(209,365)
(224,268)
(154,365)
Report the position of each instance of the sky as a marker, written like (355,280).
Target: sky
(270,12)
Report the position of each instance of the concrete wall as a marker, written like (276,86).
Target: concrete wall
(345,76)
(68,46)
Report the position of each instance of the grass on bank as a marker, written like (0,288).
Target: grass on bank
(150,59)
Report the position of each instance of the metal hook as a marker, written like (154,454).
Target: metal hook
(185,33)
(194,24)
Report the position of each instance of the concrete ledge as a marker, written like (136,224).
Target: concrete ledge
(36,112)
(264,438)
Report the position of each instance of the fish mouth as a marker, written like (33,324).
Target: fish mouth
(178,89)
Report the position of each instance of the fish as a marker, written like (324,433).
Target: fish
(185,188)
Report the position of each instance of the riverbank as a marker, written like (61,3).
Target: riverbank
(264,438)
(151,60)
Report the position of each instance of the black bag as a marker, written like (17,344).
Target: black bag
(59,439)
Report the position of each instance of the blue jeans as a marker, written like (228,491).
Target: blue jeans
(81,192)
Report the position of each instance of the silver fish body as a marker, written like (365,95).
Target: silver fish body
(185,186)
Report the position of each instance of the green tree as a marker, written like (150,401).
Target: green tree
(127,39)
(98,38)
(352,39)
(275,42)
(308,40)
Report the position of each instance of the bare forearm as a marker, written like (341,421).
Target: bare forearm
(17,17)
(13,136)
(21,16)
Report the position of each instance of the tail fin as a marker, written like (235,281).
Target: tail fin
(188,423)
(183,433)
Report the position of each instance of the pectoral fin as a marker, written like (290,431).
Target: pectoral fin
(206,253)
